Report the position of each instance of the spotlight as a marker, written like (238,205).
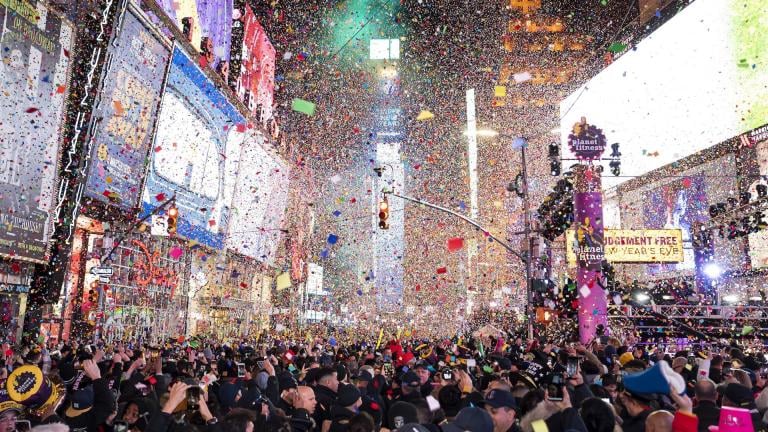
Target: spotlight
(712,270)
(642,297)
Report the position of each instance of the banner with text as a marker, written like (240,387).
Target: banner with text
(132,89)
(635,246)
(34,71)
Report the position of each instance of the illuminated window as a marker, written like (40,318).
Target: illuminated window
(385,49)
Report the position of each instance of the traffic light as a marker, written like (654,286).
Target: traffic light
(93,293)
(384,214)
(554,159)
(173,215)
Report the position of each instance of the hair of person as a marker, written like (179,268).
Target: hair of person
(599,391)
(501,385)
(519,391)
(361,422)
(598,416)
(706,389)
(743,377)
(530,400)
(237,420)
(325,373)
(422,411)
(541,411)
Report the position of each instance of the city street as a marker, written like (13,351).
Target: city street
(383,215)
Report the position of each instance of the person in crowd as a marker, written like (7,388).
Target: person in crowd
(348,402)
(659,421)
(325,393)
(706,408)
(502,407)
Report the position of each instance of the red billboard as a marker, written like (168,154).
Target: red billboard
(256,84)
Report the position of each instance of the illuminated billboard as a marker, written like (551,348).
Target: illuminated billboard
(256,83)
(130,98)
(698,80)
(206,23)
(635,246)
(35,44)
(196,153)
(260,199)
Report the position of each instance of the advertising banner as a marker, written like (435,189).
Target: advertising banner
(635,246)
(130,100)
(677,204)
(195,153)
(34,45)
(259,203)
(256,84)
(207,24)
(752,169)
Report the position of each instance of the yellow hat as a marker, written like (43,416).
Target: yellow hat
(626,358)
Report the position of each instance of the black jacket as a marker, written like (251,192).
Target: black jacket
(301,421)
(636,423)
(708,413)
(326,399)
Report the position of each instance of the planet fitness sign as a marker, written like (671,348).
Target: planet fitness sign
(586,141)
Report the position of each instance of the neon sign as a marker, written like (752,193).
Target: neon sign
(148,272)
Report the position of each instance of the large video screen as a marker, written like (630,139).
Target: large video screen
(256,84)
(195,153)
(259,203)
(133,86)
(207,24)
(698,80)
(35,44)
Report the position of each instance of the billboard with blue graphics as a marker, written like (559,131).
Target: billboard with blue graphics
(196,153)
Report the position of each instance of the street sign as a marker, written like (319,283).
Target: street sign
(104,273)
(159,226)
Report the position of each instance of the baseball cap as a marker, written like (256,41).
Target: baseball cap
(410,379)
(364,375)
(412,427)
(471,419)
(81,402)
(499,398)
(739,395)
(347,395)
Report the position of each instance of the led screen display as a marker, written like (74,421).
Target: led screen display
(698,80)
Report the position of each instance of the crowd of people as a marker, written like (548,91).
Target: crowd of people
(483,384)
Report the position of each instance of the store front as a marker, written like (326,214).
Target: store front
(224,294)
(15,279)
(143,298)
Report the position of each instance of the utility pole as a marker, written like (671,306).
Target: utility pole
(527,233)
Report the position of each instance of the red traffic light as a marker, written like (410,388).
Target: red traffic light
(173,216)
(384,214)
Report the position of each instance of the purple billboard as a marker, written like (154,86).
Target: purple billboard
(207,24)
